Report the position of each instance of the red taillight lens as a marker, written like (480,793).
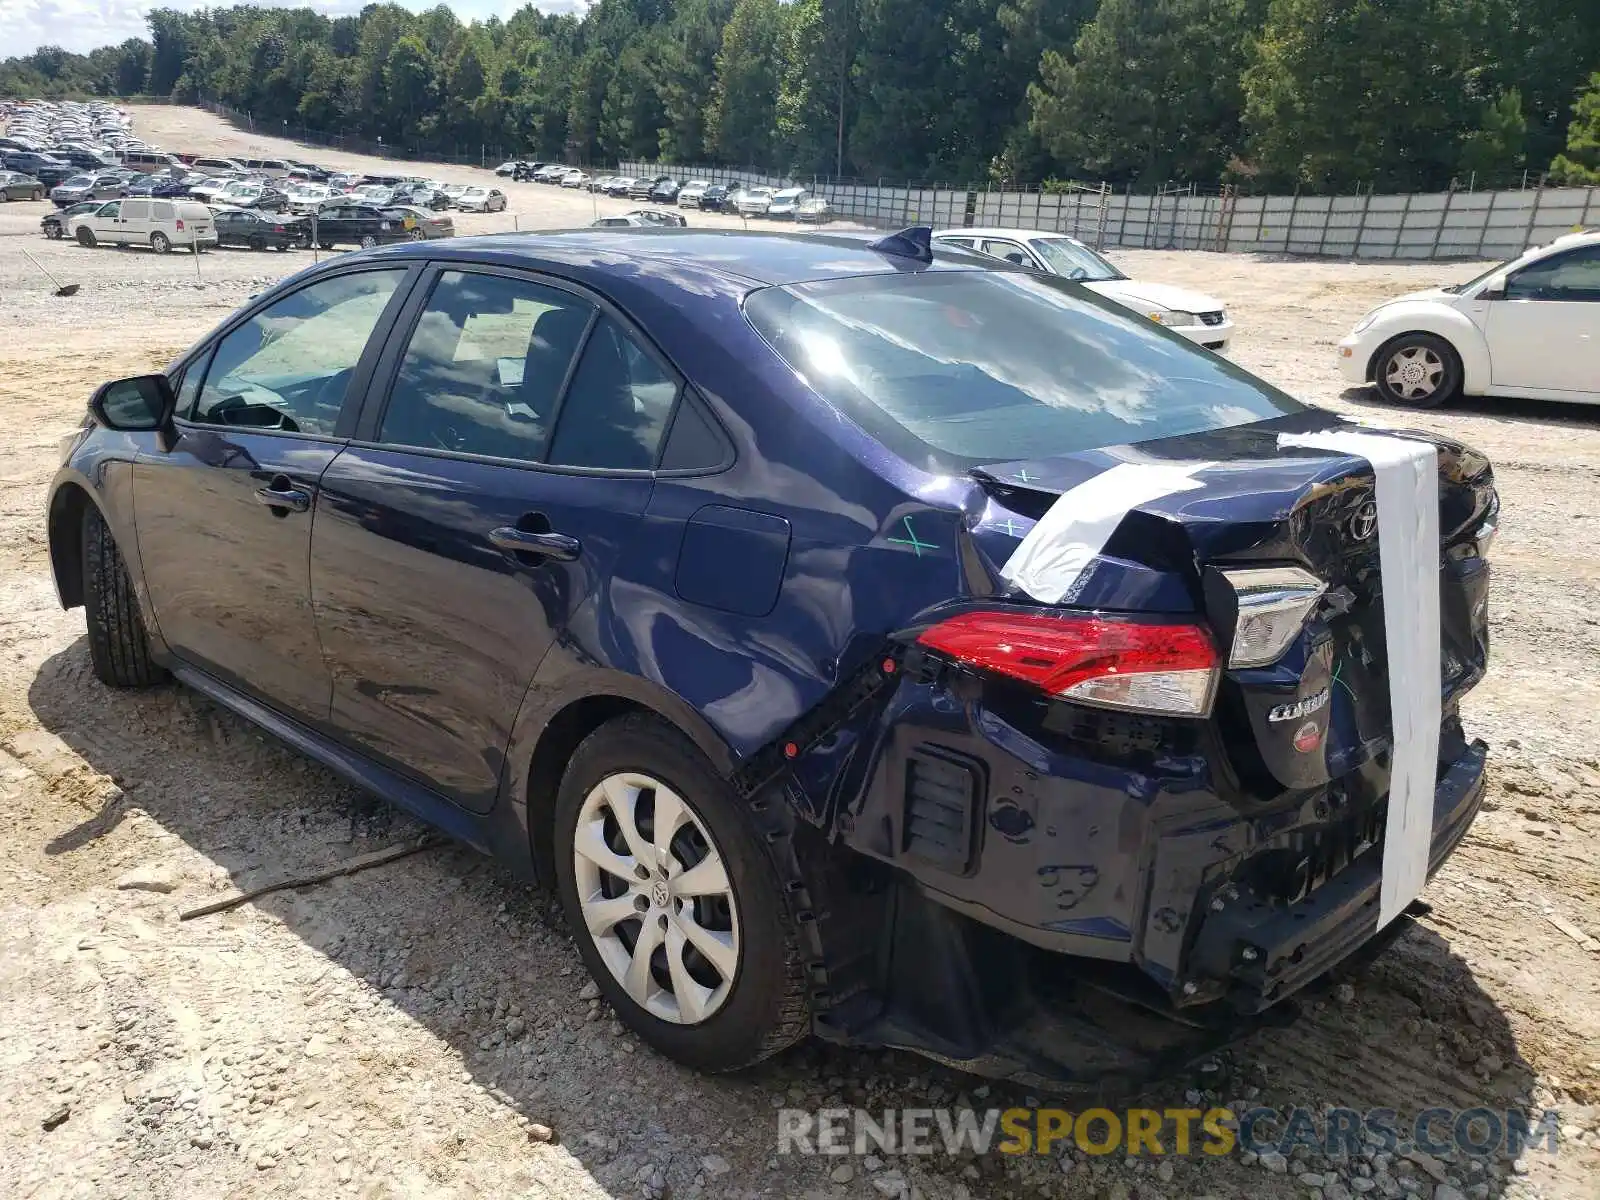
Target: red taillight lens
(1094,660)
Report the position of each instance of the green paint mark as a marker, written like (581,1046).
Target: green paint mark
(912,540)
(1336,669)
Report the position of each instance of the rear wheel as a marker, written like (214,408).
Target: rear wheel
(85,236)
(119,648)
(416,235)
(326,245)
(368,241)
(159,242)
(1419,370)
(674,903)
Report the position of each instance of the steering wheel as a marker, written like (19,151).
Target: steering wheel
(1078,273)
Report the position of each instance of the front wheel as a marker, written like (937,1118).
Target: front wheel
(1419,370)
(119,648)
(85,236)
(674,903)
(54,232)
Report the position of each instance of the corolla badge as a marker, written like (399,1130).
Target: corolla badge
(1364,521)
(1296,709)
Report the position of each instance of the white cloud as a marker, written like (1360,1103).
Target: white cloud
(82,25)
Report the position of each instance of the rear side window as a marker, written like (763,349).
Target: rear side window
(958,369)
(616,412)
(485,367)
(136,210)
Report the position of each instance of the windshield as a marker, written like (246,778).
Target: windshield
(1072,261)
(1477,279)
(964,368)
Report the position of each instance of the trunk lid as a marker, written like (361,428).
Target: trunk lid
(1321,711)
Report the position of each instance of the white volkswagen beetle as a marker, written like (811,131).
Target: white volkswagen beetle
(1528,328)
(1198,317)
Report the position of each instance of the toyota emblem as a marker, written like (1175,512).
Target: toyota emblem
(660,894)
(1364,522)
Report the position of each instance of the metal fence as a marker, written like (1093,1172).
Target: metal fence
(1424,225)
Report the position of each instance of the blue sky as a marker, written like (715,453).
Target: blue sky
(81,25)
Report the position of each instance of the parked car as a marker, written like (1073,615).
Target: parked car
(550,173)
(575,179)
(1528,328)
(785,203)
(626,221)
(600,183)
(252,193)
(620,185)
(922,720)
(355,224)
(814,210)
(1200,318)
(54,224)
(658,216)
(454,190)
(666,192)
(208,189)
(306,198)
(715,198)
(425,224)
(423,195)
(218,166)
(481,199)
(271,168)
(644,185)
(15,185)
(79,188)
(752,201)
(690,193)
(47,169)
(159,224)
(508,168)
(526,171)
(258,231)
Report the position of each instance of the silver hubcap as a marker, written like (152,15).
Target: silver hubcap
(1414,373)
(656,898)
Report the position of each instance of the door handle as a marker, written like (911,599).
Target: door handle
(291,499)
(547,545)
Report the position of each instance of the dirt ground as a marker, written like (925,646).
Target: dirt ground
(418,1030)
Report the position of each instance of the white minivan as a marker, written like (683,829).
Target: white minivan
(159,224)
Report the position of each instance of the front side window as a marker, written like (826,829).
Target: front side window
(959,369)
(485,367)
(110,211)
(289,366)
(1011,252)
(1573,277)
(1073,261)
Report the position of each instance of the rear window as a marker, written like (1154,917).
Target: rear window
(959,369)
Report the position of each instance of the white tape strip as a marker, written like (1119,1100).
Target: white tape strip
(1407,475)
(1051,558)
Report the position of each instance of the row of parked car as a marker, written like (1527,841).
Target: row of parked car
(792,203)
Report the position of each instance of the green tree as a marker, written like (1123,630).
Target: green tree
(631,115)
(816,97)
(1580,165)
(1150,92)
(685,66)
(741,124)
(1499,145)
(1344,92)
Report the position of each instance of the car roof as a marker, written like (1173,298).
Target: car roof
(750,258)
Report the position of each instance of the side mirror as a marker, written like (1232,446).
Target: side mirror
(1495,289)
(138,404)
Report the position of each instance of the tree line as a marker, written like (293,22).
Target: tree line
(1319,94)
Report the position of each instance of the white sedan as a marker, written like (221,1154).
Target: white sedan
(1200,318)
(481,199)
(1528,328)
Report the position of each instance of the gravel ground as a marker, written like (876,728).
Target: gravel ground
(421,1029)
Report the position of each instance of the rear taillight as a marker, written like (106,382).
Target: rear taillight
(1123,664)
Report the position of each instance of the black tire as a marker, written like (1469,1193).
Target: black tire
(417,235)
(37,194)
(1436,366)
(326,245)
(55,233)
(258,243)
(119,648)
(160,242)
(766,1009)
(85,236)
(368,241)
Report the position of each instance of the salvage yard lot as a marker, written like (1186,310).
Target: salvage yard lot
(401,1032)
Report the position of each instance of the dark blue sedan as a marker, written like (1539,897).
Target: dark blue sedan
(858,638)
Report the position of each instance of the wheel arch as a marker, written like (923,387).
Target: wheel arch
(1465,338)
(64,530)
(553,722)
